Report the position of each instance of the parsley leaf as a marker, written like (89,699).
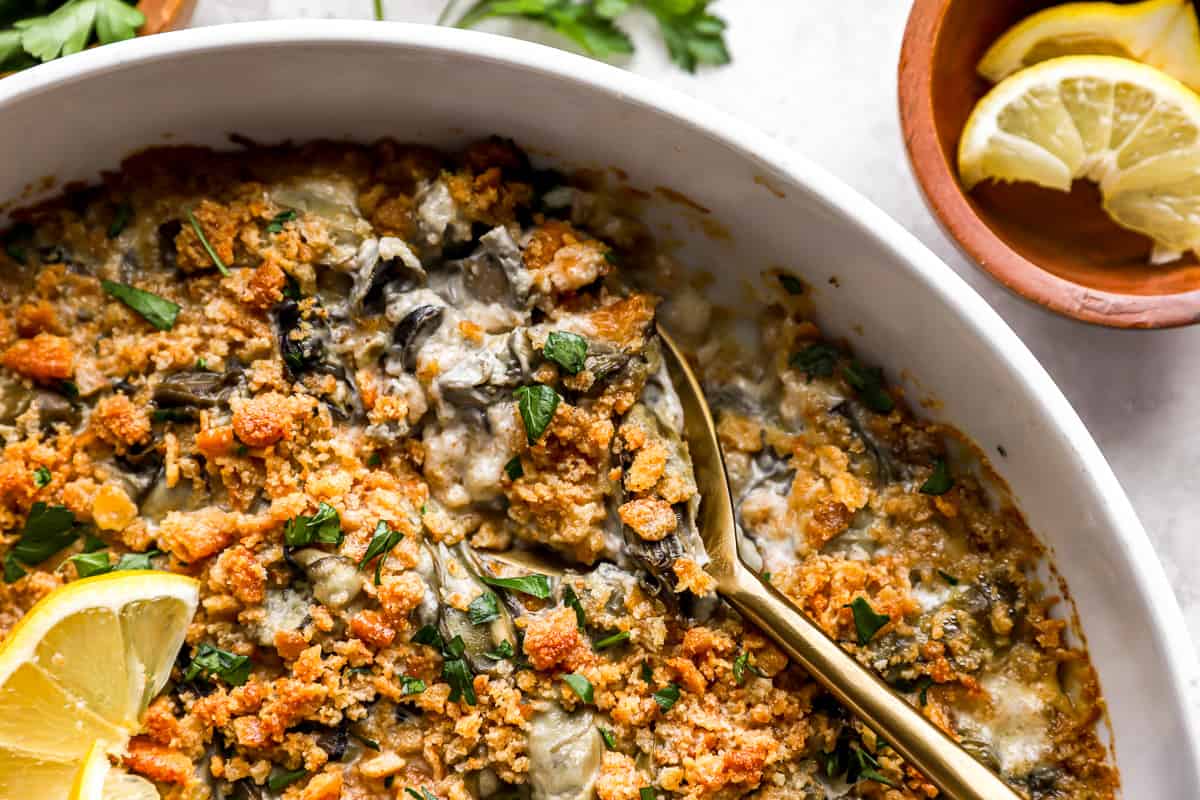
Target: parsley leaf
(947,577)
(667,696)
(410,685)
(741,664)
(89,564)
(325,527)
(646,674)
(483,609)
(381,544)
(428,635)
(535,585)
(940,480)
(537,403)
(47,530)
(282,780)
(457,672)
(158,311)
(131,561)
(209,661)
(647,793)
(581,686)
(503,650)
(692,35)
(41,477)
(566,349)
(868,383)
(121,217)
(571,599)
(513,469)
(816,360)
(866,622)
(596,35)
(610,741)
(68,29)
(208,248)
(612,641)
(276,224)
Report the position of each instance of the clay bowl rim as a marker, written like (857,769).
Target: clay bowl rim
(945,197)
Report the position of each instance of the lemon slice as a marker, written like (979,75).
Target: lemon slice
(1161,33)
(98,780)
(77,672)
(1126,126)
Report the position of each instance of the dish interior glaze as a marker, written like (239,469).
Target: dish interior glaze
(404,415)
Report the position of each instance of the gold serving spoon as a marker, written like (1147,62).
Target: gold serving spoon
(919,741)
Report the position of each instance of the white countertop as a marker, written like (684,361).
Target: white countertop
(794,60)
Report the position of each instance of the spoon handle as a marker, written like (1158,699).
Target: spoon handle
(918,740)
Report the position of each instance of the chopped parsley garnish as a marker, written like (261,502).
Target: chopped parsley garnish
(121,217)
(646,673)
(571,599)
(281,780)
(692,35)
(513,468)
(428,634)
(202,364)
(374,460)
(133,561)
(766,576)
(948,578)
(815,361)
(920,685)
(741,665)
(158,311)
(89,564)
(503,650)
(424,794)
(535,585)
(791,283)
(208,248)
(483,609)
(566,349)
(276,224)
(92,543)
(69,389)
(537,403)
(610,741)
(667,697)
(866,622)
(325,527)
(581,686)
(381,544)
(210,662)
(850,760)
(940,480)
(457,672)
(41,477)
(612,641)
(371,743)
(47,530)
(410,685)
(647,793)
(868,383)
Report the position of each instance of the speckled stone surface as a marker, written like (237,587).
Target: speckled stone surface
(796,60)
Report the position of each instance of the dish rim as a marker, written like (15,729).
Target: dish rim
(1182,668)
(947,201)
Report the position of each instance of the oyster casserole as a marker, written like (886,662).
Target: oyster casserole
(404,415)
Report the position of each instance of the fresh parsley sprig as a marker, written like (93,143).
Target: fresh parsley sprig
(693,36)
(67,29)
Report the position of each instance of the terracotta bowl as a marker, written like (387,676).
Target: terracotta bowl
(165,15)
(1059,250)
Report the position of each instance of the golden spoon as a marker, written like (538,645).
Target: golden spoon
(919,741)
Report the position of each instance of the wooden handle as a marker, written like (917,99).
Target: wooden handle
(918,740)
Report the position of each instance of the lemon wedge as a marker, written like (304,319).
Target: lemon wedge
(1126,126)
(98,780)
(1161,33)
(76,674)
